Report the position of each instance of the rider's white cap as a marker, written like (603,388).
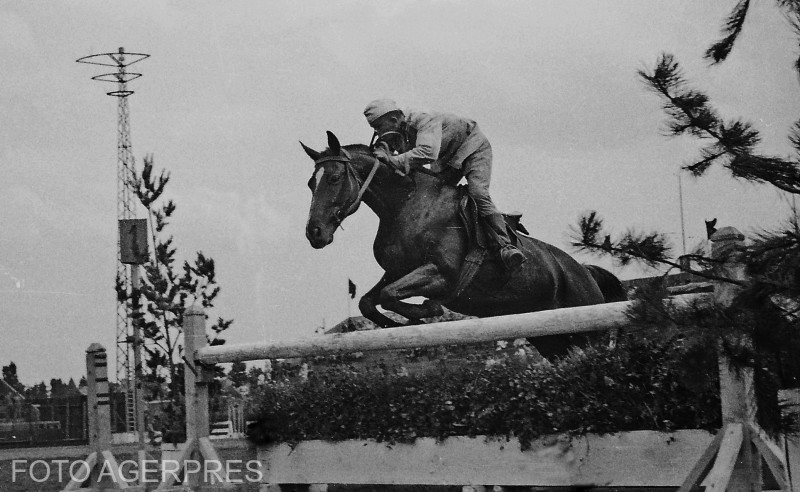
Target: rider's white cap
(378,108)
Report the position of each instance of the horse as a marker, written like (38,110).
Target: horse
(422,242)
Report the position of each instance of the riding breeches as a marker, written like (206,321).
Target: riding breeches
(478,172)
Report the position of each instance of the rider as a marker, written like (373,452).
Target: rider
(454,147)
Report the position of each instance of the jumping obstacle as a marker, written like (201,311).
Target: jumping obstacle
(732,460)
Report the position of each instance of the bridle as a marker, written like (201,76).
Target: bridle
(344,158)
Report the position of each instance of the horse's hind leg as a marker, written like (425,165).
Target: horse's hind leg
(425,281)
(368,305)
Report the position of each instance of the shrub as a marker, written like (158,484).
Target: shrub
(642,384)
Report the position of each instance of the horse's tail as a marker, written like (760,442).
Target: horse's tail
(609,284)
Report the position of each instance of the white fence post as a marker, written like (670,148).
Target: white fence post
(194,338)
(737,384)
(733,461)
(197,449)
(98,399)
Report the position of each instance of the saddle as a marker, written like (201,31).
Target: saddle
(477,247)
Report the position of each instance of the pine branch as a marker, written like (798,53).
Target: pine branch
(652,248)
(734,142)
(792,14)
(668,262)
(782,174)
(731,30)
(794,137)
(687,108)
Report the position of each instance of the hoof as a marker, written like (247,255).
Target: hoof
(434,308)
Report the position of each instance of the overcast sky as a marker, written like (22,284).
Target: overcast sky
(231,87)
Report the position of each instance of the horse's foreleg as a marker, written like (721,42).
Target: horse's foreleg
(425,281)
(368,305)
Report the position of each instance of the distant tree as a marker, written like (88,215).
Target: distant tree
(57,388)
(772,258)
(168,288)
(37,392)
(237,374)
(256,376)
(71,388)
(10,377)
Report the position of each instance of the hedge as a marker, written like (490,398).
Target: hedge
(642,384)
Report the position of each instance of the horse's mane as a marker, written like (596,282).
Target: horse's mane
(357,148)
(360,148)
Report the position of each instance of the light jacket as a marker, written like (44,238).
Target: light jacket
(440,139)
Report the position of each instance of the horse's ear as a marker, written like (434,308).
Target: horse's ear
(333,143)
(311,152)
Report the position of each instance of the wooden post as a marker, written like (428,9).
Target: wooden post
(85,420)
(194,338)
(66,417)
(97,400)
(197,447)
(99,437)
(737,386)
(733,462)
(197,421)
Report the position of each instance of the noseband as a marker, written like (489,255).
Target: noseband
(344,158)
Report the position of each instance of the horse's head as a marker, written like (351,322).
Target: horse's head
(337,191)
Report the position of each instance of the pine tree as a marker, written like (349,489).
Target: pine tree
(769,299)
(168,287)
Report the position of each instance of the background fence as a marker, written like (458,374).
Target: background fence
(56,421)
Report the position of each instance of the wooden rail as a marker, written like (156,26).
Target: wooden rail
(598,317)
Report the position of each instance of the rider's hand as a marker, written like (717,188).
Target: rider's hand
(383,154)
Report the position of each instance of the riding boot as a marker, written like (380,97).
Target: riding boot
(500,243)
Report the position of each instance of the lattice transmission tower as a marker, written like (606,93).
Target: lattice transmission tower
(126,209)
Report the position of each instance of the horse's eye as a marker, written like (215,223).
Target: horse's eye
(312,183)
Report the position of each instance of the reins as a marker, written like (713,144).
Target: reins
(344,158)
(377,138)
(364,185)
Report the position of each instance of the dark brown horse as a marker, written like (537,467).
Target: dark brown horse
(421,245)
